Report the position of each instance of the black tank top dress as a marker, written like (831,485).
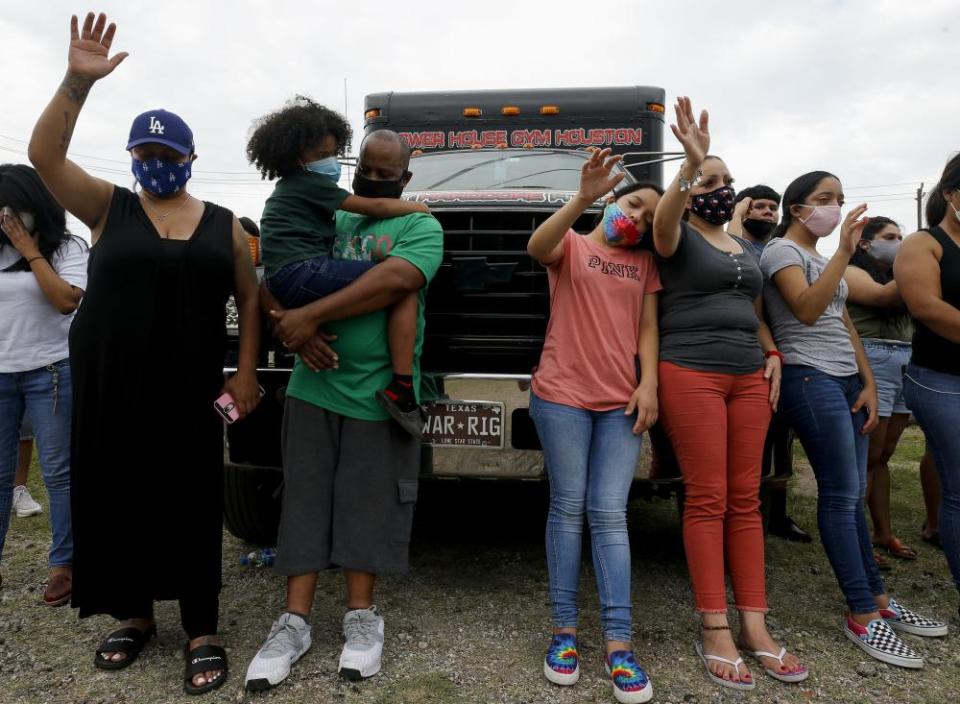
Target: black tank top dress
(147,348)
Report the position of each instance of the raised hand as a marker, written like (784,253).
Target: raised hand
(694,136)
(852,229)
(595,181)
(89,55)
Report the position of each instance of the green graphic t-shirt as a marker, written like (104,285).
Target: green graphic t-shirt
(362,342)
(298,219)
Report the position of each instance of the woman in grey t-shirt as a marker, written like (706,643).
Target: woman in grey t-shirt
(719,377)
(829,397)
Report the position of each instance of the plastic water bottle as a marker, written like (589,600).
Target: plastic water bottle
(259,558)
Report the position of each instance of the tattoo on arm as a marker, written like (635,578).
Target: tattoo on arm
(67,131)
(75,88)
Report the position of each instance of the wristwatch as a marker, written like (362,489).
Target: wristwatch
(686,185)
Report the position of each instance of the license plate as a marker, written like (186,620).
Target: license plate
(474,424)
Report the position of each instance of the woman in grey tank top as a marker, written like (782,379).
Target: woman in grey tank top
(885,328)
(719,381)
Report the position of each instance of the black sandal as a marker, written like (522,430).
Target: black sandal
(129,641)
(203,658)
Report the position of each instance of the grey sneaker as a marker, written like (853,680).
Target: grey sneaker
(363,631)
(289,639)
(24,504)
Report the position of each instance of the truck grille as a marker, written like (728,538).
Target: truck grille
(488,305)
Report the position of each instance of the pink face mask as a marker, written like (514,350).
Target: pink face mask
(822,220)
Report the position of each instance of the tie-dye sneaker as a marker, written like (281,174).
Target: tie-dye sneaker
(903,619)
(630,683)
(562,662)
(878,640)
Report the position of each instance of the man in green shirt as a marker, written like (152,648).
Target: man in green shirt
(350,473)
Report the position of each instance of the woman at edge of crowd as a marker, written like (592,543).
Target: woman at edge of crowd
(928,273)
(885,329)
(43,274)
(829,397)
(716,402)
(603,285)
(147,350)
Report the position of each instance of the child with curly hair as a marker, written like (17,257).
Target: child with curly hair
(300,144)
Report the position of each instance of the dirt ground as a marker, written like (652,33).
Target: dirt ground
(470,622)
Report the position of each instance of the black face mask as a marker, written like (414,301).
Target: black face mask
(716,207)
(369,188)
(759,229)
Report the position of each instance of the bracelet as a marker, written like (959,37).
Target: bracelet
(686,185)
(33,259)
(775,353)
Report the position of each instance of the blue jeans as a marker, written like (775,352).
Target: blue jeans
(934,398)
(299,283)
(817,405)
(44,393)
(591,458)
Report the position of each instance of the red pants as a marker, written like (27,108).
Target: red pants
(717,424)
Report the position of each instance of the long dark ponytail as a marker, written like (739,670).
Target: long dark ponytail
(936,202)
(797,192)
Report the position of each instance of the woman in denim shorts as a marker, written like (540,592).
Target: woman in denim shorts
(885,328)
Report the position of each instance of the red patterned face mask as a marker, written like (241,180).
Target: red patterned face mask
(716,207)
(618,229)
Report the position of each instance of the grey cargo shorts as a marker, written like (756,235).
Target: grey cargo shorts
(349,488)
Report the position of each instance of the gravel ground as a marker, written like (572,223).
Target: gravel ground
(470,623)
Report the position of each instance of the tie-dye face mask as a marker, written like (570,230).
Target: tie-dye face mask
(618,229)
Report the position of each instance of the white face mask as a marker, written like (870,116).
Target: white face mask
(884,250)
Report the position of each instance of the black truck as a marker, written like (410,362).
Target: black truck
(492,166)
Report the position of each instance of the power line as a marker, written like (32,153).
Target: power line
(126,162)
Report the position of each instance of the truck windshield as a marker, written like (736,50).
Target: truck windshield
(484,170)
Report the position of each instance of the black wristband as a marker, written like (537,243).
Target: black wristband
(33,259)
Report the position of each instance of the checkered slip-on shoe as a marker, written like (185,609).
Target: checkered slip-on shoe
(879,641)
(561,665)
(903,619)
(630,683)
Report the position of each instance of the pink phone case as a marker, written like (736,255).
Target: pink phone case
(226,406)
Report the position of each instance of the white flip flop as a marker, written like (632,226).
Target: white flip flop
(783,677)
(742,686)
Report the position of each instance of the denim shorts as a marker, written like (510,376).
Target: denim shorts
(300,283)
(889,361)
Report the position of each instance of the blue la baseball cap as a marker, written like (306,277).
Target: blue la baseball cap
(161,127)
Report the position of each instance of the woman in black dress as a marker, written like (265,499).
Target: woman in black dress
(147,350)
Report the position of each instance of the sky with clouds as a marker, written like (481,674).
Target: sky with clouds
(865,89)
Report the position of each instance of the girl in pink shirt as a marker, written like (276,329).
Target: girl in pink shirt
(593,394)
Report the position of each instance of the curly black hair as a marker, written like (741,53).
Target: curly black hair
(280,138)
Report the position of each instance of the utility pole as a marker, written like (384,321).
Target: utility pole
(920,207)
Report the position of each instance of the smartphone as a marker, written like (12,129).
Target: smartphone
(226,406)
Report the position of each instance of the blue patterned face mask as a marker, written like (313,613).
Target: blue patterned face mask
(328,167)
(160,177)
